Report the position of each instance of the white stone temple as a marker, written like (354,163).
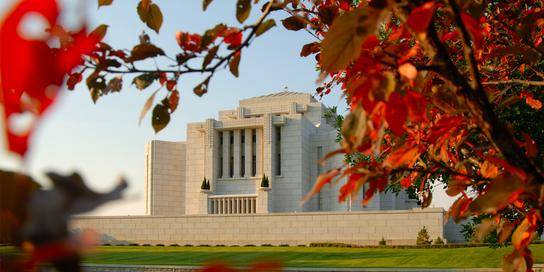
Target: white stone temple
(281,135)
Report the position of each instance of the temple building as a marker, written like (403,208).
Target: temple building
(281,136)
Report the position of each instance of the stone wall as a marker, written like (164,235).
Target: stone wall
(364,228)
(164,178)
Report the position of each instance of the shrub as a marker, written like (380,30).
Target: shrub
(204,245)
(188,245)
(205,184)
(266,245)
(284,245)
(146,245)
(219,245)
(106,244)
(159,245)
(382,242)
(132,244)
(264,182)
(249,245)
(174,245)
(301,245)
(423,237)
(438,241)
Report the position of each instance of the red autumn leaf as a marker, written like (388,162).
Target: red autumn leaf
(74,79)
(420,17)
(171,85)
(498,194)
(320,182)
(531,148)
(173,100)
(232,37)
(406,182)
(459,210)
(30,67)
(474,29)
(402,156)
(524,233)
(530,100)
(396,113)
(188,41)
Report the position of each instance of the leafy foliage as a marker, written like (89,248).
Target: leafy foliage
(423,237)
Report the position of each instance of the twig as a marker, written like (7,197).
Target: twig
(515,81)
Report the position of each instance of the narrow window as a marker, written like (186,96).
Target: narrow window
(242,154)
(278,151)
(231,152)
(221,154)
(253,152)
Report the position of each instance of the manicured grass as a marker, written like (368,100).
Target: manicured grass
(308,257)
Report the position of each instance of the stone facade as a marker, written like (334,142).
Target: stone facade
(356,227)
(282,136)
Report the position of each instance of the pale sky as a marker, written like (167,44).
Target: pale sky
(104,141)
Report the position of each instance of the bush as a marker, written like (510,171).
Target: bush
(133,244)
(204,245)
(146,245)
(106,244)
(266,245)
(249,245)
(264,182)
(423,237)
(188,245)
(174,245)
(219,245)
(205,184)
(301,245)
(159,245)
(382,242)
(438,241)
(284,245)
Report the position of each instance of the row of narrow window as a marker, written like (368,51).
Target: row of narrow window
(253,170)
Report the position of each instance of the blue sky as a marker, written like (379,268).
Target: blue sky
(103,141)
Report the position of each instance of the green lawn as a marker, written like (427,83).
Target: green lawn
(308,257)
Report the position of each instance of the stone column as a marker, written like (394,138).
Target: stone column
(236,151)
(248,151)
(226,153)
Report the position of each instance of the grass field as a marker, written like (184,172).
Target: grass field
(308,256)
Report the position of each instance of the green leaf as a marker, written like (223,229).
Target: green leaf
(294,23)
(342,43)
(147,106)
(144,80)
(150,14)
(205,4)
(104,3)
(160,118)
(209,57)
(265,26)
(144,51)
(243,8)
(99,32)
(234,63)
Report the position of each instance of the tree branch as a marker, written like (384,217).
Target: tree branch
(515,81)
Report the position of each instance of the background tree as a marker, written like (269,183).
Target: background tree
(439,91)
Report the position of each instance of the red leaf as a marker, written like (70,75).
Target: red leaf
(396,113)
(402,156)
(474,28)
(320,182)
(530,100)
(31,67)
(420,17)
